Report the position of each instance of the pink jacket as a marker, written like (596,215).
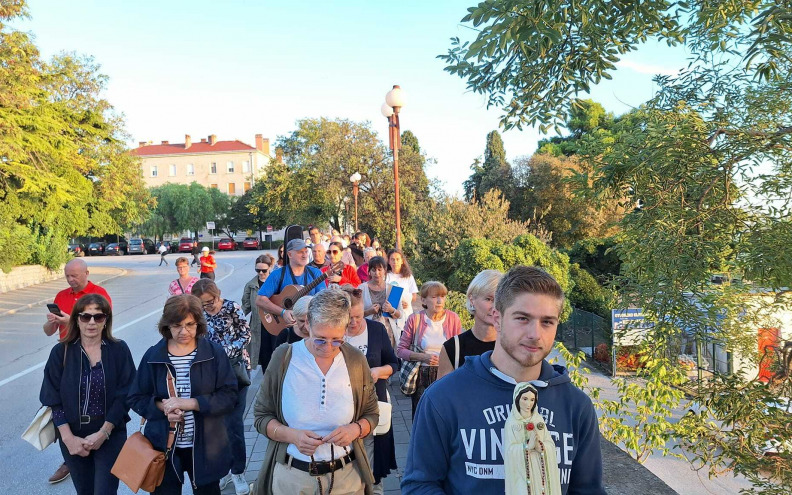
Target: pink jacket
(451,326)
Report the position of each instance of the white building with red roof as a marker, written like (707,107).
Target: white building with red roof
(230,166)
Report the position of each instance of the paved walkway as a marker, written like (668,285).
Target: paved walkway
(256,444)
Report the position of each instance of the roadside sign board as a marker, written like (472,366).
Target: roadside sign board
(210,225)
(629,326)
(269,228)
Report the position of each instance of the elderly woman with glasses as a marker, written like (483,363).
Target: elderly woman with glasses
(299,330)
(263,267)
(86,381)
(316,405)
(206,389)
(184,283)
(227,327)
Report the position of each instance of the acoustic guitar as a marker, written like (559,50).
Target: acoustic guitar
(287,298)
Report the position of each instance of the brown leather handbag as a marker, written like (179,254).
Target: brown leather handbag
(139,465)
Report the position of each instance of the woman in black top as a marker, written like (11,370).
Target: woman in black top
(86,381)
(480,338)
(300,329)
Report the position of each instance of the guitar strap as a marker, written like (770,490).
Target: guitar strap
(283,274)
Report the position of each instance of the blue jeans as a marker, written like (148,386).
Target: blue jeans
(236,433)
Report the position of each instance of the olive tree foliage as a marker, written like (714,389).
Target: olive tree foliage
(705,166)
(64,170)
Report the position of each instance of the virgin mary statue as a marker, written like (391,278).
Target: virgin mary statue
(530,454)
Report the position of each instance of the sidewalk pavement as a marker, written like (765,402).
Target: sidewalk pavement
(401,422)
(36,295)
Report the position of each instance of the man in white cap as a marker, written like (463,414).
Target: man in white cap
(208,263)
(295,271)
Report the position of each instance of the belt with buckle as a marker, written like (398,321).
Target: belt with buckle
(320,468)
(85,419)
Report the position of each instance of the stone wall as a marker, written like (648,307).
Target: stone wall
(22,276)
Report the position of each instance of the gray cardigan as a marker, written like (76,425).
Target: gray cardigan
(269,406)
(249,295)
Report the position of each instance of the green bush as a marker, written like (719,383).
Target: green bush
(589,295)
(474,255)
(457,302)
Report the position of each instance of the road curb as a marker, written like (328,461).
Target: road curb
(49,299)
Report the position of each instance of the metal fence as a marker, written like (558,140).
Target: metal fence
(584,331)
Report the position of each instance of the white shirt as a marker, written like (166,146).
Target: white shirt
(360,342)
(315,401)
(433,339)
(410,288)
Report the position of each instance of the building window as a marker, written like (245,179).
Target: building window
(190,169)
(246,167)
(153,170)
(230,167)
(213,186)
(213,168)
(232,188)
(172,171)
(246,186)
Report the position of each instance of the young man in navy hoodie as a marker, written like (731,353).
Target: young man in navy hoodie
(457,440)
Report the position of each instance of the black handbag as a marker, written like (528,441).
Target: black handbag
(240,370)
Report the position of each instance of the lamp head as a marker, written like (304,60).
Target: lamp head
(386,110)
(395,97)
(355,177)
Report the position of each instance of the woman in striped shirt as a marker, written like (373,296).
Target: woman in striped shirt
(207,390)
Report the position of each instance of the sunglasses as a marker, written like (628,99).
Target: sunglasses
(334,251)
(262,270)
(97,317)
(323,342)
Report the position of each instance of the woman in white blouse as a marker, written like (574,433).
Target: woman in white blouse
(424,335)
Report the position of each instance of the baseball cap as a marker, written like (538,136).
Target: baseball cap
(205,249)
(296,245)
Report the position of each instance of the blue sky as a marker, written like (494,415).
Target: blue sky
(236,68)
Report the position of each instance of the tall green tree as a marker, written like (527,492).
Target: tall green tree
(64,169)
(494,173)
(705,167)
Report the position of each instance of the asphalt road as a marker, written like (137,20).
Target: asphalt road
(138,297)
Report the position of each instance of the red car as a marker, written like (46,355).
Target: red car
(250,243)
(185,245)
(226,245)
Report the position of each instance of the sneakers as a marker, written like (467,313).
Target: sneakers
(241,485)
(61,474)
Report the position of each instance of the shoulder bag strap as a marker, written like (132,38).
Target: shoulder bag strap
(456,351)
(180,286)
(172,427)
(416,322)
(282,275)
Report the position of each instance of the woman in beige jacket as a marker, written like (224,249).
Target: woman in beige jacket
(316,404)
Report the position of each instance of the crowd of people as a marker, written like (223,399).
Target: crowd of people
(323,398)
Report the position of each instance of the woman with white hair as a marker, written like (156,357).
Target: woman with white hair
(299,330)
(480,338)
(316,405)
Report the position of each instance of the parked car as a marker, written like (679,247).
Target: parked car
(77,249)
(137,246)
(226,245)
(171,246)
(150,247)
(185,245)
(115,249)
(96,249)
(250,243)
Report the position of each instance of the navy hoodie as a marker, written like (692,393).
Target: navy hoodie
(457,438)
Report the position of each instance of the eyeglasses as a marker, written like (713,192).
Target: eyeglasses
(262,270)
(334,251)
(323,342)
(209,303)
(97,317)
(189,326)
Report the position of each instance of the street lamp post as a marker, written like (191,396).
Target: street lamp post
(394,100)
(355,178)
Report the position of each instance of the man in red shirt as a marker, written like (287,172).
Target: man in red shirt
(77,277)
(348,275)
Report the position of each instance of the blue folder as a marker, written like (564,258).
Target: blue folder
(394,298)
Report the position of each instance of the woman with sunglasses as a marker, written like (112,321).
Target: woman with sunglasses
(316,405)
(263,267)
(228,327)
(86,381)
(348,274)
(370,338)
(206,388)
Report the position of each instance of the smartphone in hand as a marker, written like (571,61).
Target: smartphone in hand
(54,309)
